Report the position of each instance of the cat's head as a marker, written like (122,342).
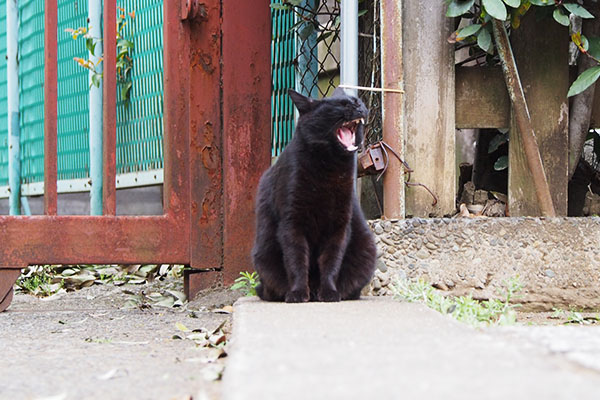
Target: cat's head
(336,121)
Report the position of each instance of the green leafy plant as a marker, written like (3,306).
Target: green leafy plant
(574,317)
(246,283)
(124,60)
(479,32)
(39,281)
(463,308)
(577,317)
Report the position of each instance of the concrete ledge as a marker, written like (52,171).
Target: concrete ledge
(557,259)
(378,348)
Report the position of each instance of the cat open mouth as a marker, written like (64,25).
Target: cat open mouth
(346,134)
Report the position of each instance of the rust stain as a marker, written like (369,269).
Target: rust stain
(203,60)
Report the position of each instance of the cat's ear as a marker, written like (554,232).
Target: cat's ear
(339,92)
(303,104)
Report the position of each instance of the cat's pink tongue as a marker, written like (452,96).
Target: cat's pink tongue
(346,137)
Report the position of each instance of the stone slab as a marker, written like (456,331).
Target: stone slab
(379,348)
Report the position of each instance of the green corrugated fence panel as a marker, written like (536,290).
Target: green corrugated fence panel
(73,93)
(283,54)
(72,121)
(31,89)
(3,103)
(139,125)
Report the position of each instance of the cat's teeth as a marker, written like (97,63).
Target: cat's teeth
(362,120)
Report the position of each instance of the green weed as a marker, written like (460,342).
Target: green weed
(39,281)
(463,308)
(574,317)
(246,283)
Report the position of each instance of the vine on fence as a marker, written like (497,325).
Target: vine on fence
(124,60)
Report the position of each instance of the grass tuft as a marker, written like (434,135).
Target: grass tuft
(246,283)
(464,308)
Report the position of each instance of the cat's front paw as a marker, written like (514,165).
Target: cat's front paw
(329,295)
(296,296)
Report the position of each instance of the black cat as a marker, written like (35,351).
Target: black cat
(312,241)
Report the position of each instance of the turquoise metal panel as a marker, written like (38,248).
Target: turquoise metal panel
(31,91)
(73,93)
(3,103)
(283,55)
(139,123)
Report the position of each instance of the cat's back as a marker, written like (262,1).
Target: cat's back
(277,177)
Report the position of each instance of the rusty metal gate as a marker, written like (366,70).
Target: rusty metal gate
(217,143)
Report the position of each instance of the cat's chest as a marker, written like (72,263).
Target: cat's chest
(321,210)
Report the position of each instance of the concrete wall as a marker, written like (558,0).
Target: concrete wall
(557,259)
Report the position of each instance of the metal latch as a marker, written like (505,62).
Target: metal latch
(192,10)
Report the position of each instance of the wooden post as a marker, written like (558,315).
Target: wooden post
(541,51)
(428,61)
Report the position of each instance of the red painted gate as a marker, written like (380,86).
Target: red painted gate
(217,143)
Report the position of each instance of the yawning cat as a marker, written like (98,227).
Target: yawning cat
(312,241)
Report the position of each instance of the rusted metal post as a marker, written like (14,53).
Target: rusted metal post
(247,121)
(7,280)
(206,166)
(109,194)
(176,56)
(523,119)
(393,129)
(50,109)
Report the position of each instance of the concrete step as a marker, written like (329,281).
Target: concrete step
(380,348)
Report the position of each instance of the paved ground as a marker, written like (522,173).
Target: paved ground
(84,345)
(381,348)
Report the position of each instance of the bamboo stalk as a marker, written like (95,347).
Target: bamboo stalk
(523,119)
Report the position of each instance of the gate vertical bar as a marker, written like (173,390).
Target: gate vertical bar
(206,143)
(95,110)
(176,56)
(109,108)
(12,81)
(50,102)
(246,124)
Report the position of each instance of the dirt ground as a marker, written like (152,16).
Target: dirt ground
(558,318)
(86,345)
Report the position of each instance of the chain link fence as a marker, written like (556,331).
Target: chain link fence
(369,66)
(314,68)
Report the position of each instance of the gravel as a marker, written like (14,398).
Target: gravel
(557,259)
